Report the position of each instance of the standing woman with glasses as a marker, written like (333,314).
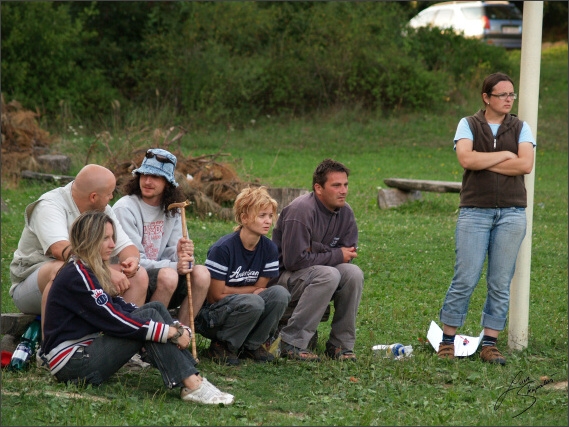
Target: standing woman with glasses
(90,332)
(496,150)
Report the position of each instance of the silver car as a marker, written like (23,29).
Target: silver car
(497,23)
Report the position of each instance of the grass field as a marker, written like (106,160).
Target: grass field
(407,255)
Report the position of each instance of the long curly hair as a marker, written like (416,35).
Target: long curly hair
(170,195)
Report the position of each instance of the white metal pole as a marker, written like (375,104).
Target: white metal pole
(527,111)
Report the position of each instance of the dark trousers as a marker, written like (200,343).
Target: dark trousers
(95,363)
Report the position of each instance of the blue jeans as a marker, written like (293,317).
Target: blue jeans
(498,233)
(96,362)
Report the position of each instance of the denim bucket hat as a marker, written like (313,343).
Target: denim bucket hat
(158,162)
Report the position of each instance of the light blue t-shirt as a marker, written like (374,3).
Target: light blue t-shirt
(463,131)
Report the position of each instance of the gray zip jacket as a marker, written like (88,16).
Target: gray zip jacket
(307,233)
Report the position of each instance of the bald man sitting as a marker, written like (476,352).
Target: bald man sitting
(44,244)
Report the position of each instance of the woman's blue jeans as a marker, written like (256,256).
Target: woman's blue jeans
(498,233)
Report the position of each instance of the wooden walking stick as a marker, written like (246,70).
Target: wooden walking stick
(182,207)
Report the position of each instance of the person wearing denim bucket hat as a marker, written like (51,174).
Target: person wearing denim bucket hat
(157,233)
(158,162)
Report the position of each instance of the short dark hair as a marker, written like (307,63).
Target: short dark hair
(492,80)
(324,168)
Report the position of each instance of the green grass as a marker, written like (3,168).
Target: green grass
(407,255)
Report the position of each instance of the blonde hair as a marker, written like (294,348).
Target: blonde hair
(250,201)
(86,236)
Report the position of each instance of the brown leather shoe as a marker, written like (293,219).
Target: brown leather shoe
(261,354)
(491,354)
(339,353)
(446,351)
(291,352)
(219,353)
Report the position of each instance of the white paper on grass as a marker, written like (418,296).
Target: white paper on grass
(464,345)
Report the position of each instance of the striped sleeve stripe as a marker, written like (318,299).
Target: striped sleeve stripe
(121,317)
(59,356)
(272,266)
(87,279)
(157,331)
(216,268)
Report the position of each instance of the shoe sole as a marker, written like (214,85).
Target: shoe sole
(250,357)
(343,358)
(226,398)
(294,356)
(495,362)
(498,360)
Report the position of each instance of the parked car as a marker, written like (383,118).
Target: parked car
(497,23)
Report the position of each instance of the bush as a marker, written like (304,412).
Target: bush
(464,59)
(231,62)
(45,65)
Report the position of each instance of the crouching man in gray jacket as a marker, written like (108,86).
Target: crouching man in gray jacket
(317,237)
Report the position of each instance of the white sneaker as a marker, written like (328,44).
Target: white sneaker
(41,362)
(206,393)
(229,396)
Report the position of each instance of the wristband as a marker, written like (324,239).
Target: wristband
(180,331)
(178,334)
(187,328)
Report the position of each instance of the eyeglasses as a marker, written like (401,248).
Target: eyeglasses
(160,158)
(504,96)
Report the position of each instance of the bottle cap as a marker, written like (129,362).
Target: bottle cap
(6,357)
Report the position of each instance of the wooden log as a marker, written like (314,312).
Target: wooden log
(393,197)
(285,195)
(424,185)
(60,179)
(15,323)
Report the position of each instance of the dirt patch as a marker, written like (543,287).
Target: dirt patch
(60,395)
(559,385)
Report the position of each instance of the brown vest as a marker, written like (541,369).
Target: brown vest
(485,189)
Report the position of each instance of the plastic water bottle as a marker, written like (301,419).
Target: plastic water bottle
(400,350)
(27,346)
(394,351)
